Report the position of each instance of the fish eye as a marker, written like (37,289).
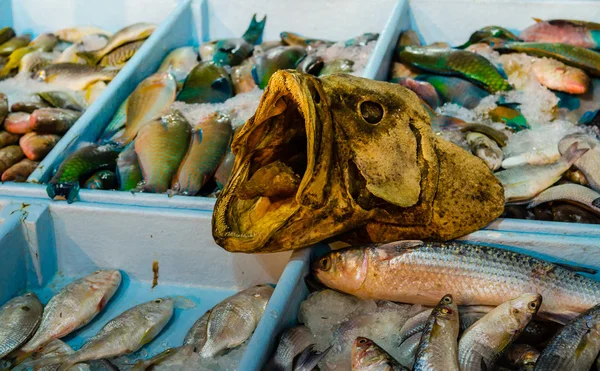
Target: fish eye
(362,341)
(370,111)
(158,301)
(25,308)
(40,348)
(325,263)
(532,305)
(447,299)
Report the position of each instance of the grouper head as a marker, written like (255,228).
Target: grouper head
(346,157)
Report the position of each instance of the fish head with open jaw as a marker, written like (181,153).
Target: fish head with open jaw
(358,156)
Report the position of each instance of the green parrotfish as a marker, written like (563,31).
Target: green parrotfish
(279,58)
(231,52)
(206,83)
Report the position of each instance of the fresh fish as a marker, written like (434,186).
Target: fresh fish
(150,100)
(36,146)
(117,122)
(35,61)
(417,272)
(17,123)
(20,318)
(583,196)
(311,64)
(499,137)
(53,120)
(455,90)
(196,335)
(490,32)
(525,182)
(134,32)
(482,344)
(556,75)
(76,34)
(209,141)
(57,348)
(45,41)
(408,350)
(93,91)
(366,356)
(575,56)
(28,107)
(104,179)
(291,38)
(264,47)
(14,60)
(74,76)
(575,346)
(279,58)
(589,163)
(361,40)
(337,66)
(510,117)
(241,78)
(6,138)
(581,108)
(69,55)
(460,63)
(73,307)
(423,89)
(309,359)
(129,173)
(9,156)
(6,33)
(292,342)
(572,214)
(536,158)
(206,83)
(441,332)
(161,146)
(61,99)
(207,50)
(486,149)
(224,169)
(231,52)
(77,166)
(20,171)
(124,334)
(578,33)
(522,357)
(180,62)
(233,320)
(401,70)
(3,106)
(120,56)
(169,359)
(13,44)
(408,38)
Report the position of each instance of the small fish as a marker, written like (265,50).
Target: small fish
(482,344)
(93,91)
(20,171)
(74,76)
(233,320)
(292,342)
(578,33)
(17,123)
(28,107)
(20,318)
(117,122)
(223,171)
(6,138)
(129,173)
(76,34)
(206,83)
(241,78)
(73,307)
(575,346)
(150,100)
(583,196)
(69,55)
(525,182)
(337,66)
(124,334)
(35,61)
(367,356)
(179,63)
(509,116)
(53,120)
(196,335)
(134,32)
(13,44)
(9,156)
(441,332)
(209,141)
(45,41)
(486,149)
(14,60)
(169,359)
(589,163)
(231,52)
(498,136)
(423,89)
(490,32)
(6,33)
(453,62)
(522,356)
(556,75)
(455,90)
(61,99)
(279,58)
(120,56)
(58,348)
(78,165)
(161,146)
(581,108)
(104,179)
(36,146)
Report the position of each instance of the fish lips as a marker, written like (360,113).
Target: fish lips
(288,124)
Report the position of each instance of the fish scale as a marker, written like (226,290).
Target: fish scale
(19,318)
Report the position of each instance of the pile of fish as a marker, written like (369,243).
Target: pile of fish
(525,103)
(412,305)
(48,82)
(30,332)
(173,133)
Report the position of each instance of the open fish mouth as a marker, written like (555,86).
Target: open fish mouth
(268,181)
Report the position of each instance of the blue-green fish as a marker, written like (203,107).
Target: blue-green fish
(279,58)
(231,52)
(582,107)
(104,179)
(117,122)
(129,173)
(206,83)
(455,90)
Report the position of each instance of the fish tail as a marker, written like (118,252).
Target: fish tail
(253,34)
(309,358)
(90,57)
(573,153)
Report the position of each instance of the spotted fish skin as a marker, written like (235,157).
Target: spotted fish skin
(210,139)
(160,146)
(19,319)
(456,63)
(121,55)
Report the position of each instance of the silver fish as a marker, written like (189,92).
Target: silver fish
(57,348)
(74,76)
(486,149)
(35,61)
(292,342)
(196,335)
(407,351)
(579,194)
(589,163)
(170,359)
(19,318)
(179,63)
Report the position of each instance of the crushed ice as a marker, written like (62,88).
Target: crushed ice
(356,53)
(23,89)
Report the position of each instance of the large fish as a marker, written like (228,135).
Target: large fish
(231,52)
(20,171)
(565,31)
(134,32)
(589,163)
(489,32)
(206,83)
(583,196)
(74,76)
(179,63)
(53,120)
(13,44)
(120,56)
(418,272)
(279,58)
(455,90)
(37,146)
(9,156)
(19,319)
(129,173)
(77,34)
(57,348)
(73,307)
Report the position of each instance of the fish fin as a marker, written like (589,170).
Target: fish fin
(573,153)
(253,34)
(254,73)
(587,117)
(559,317)
(90,57)
(537,20)
(575,268)
(147,337)
(43,362)
(222,85)
(309,358)
(596,202)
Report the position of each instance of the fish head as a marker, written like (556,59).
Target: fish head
(344,270)
(365,352)
(157,310)
(226,50)
(522,310)
(355,151)
(446,310)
